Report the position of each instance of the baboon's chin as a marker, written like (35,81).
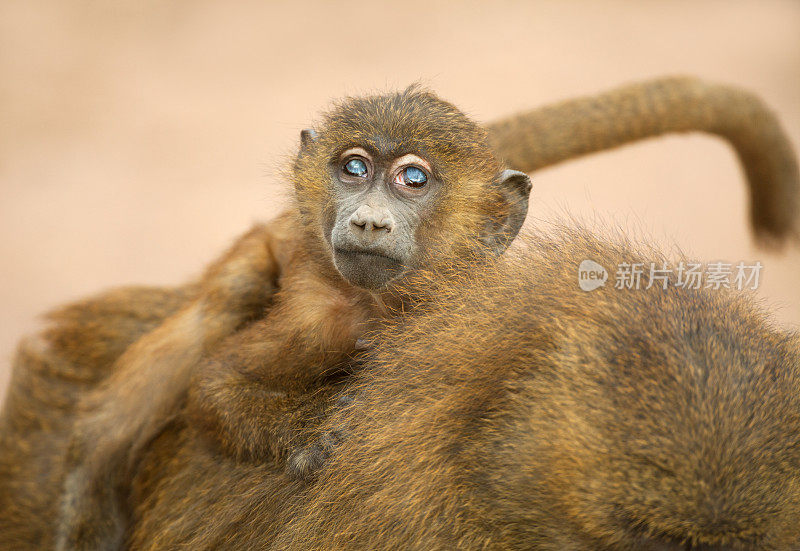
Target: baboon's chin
(367,270)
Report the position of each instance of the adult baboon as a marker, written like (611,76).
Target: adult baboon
(516,411)
(91,335)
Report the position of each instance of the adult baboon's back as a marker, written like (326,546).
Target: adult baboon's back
(520,412)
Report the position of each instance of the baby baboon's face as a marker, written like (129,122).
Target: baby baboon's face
(401,180)
(381,201)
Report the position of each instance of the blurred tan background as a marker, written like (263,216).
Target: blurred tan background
(138,138)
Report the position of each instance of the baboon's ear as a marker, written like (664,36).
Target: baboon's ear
(307,137)
(515,188)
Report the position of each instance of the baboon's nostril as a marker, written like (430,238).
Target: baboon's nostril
(370,220)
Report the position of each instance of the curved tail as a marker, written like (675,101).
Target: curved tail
(562,131)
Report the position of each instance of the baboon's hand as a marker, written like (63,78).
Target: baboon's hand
(305,461)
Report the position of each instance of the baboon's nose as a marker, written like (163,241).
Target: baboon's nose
(370,222)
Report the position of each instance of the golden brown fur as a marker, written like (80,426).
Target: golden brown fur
(73,339)
(515,411)
(128,407)
(562,131)
(564,427)
(51,373)
(311,323)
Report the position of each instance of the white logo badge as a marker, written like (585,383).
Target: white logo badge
(591,275)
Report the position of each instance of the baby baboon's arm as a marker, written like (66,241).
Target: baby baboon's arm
(149,380)
(246,393)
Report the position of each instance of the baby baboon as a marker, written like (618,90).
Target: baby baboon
(516,411)
(389,185)
(92,335)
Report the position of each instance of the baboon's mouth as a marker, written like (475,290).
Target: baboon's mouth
(369,269)
(354,254)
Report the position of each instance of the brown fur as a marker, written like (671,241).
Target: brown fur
(555,133)
(251,385)
(51,372)
(115,424)
(516,411)
(73,340)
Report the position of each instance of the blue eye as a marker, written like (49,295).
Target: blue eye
(356,167)
(412,176)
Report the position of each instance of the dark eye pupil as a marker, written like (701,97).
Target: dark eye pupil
(356,167)
(415,177)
